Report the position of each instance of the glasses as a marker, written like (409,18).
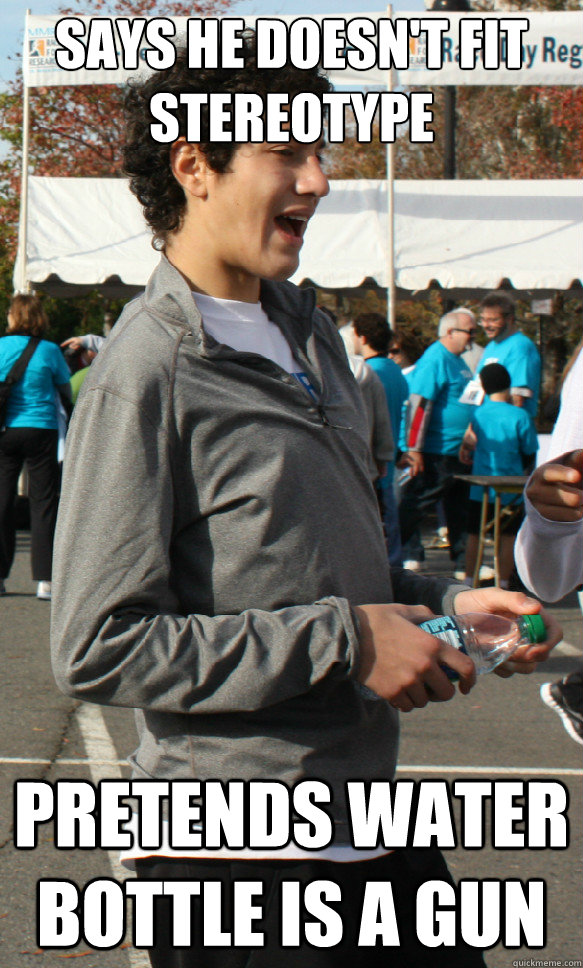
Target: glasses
(469,332)
(393,350)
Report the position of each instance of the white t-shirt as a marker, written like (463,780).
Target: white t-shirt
(245,327)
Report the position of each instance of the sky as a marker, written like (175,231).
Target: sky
(12,14)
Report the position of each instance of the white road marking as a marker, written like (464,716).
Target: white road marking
(403,768)
(565,648)
(513,770)
(103,765)
(62,761)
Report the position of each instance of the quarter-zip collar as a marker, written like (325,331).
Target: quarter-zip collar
(168,295)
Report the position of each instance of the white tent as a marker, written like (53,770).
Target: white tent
(87,232)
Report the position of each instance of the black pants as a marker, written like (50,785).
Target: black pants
(39,449)
(422,493)
(405,869)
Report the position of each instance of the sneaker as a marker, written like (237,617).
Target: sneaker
(487,573)
(460,575)
(556,695)
(438,541)
(413,565)
(44,591)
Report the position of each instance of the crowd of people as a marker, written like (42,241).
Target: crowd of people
(430,420)
(448,423)
(219,561)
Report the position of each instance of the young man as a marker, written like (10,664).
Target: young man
(220,561)
(372,337)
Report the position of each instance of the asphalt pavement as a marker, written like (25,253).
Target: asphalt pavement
(498,734)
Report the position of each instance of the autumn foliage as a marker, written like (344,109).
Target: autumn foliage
(74,131)
(502,132)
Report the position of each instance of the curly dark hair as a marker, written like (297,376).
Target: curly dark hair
(376,331)
(147,162)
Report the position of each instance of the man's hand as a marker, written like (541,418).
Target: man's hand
(74,342)
(466,454)
(556,489)
(467,447)
(415,461)
(497,601)
(402,663)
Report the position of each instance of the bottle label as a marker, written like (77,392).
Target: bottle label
(446,628)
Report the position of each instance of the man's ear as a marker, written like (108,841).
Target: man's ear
(189,167)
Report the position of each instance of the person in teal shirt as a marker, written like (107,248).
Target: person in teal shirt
(501,441)
(512,349)
(30,437)
(436,421)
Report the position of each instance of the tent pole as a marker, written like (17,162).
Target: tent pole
(22,282)
(391,306)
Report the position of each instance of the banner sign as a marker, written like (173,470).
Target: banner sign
(357,50)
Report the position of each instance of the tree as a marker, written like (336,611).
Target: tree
(74,131)
(502,132)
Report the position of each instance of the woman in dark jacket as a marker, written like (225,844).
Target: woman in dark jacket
(29,436)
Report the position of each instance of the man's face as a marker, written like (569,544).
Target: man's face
(462,335)
(493,322)
(357,342)
(256,213)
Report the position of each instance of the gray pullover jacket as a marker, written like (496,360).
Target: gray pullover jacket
(216,525)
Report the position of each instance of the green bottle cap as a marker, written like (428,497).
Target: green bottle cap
(533,628)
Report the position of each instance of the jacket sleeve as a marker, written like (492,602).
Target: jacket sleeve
(549,554)
(438,594)
(118,636)
(382,443)
(92,342)
(417,417)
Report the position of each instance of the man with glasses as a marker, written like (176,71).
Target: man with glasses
(473,354)
(512,349)
(435,425)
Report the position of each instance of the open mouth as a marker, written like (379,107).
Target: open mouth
(292,226)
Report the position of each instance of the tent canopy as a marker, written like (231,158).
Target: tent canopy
(464,236)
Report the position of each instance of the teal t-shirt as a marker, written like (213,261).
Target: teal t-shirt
(395,387)
(505,434)
(442,377)
(32,401)
(522,360)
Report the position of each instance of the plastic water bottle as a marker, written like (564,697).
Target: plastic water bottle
(487,639)
(404,477)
